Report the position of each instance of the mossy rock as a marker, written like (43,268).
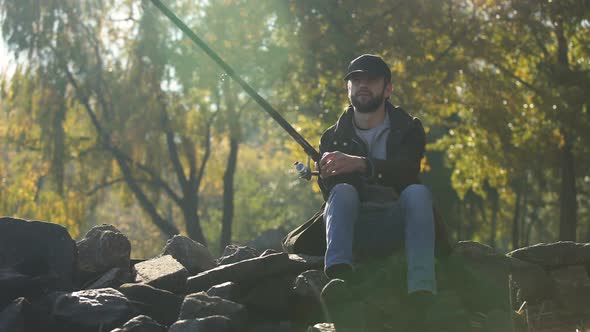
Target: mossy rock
(465,297)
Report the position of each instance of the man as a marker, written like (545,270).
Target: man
(369,177)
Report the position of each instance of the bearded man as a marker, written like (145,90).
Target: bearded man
(369,170)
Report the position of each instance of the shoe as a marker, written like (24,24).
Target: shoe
(339,271)
(341,307)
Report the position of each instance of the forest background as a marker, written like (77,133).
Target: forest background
(108,114)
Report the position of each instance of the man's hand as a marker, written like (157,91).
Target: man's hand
(336,163)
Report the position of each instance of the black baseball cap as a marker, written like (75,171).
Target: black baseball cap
(370,64)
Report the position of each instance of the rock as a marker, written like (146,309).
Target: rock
(322,327)
(533,284)
(272,297)
(283,326)
(251,270)
(475,250)
(269,252)
(487,272)
(201,305)
(307,288)
(269,239)
(91,308)
(14,284)
(554,255)
(37,248)
(114,278)
(163,272)
(573,289)
(207,324)
(141,324)
(194,256)
(233,254)
(307,261)
(498,321)
(103,248)
(161,305)
(14,317)
(310,283)
(227,290)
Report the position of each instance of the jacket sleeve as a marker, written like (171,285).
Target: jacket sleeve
(403,167)
(357,180)
(322,182)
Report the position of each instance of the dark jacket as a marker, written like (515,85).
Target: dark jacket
(405,150)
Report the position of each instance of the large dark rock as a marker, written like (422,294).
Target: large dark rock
(307,288)
(271,299)
(161,305)
(103,248)
(90,309)
(207,324)
(554,255)
(481,263)
(163,272)
(201,305)
(113,278)
(529,282)
(14,284)
(194,256)
(269,239)
(37,248)
(141,323)
(227,290)
(573,289)
(282,326)
(14,317)
(310,283)
(234,253)
(251,270)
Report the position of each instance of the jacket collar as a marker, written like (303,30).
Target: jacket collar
(398,118)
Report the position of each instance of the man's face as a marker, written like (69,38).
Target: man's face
(367,93)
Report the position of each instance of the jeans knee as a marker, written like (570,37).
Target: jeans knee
(344,191)
(417,192)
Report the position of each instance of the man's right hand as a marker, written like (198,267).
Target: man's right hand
(336,163)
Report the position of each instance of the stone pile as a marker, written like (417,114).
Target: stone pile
(552,291)
(48,282)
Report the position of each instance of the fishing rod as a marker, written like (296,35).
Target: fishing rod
(302,169)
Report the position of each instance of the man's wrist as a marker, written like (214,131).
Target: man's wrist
(364,165)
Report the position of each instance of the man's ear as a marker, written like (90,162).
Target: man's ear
(387,90)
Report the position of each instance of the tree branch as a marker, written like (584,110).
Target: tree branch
(122,160)
(172,150)
(104,185)
(206,155)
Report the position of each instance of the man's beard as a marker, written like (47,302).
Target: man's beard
(368,107)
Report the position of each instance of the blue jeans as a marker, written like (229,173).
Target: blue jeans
(380,230)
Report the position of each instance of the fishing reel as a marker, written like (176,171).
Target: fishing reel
(305,171)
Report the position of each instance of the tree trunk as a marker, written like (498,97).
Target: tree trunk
(459,219)
(192,222)
(523,213)
(228,193)
(516,218)
(58,158)
(493,227)
(471,224)
(567,200)
(482,211)
(568,206)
